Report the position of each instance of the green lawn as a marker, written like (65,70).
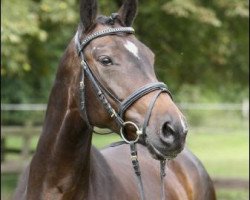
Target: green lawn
(232,194)
(224,154)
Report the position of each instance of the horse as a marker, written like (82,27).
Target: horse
(106,79)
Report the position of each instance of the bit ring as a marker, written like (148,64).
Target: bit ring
(138,132)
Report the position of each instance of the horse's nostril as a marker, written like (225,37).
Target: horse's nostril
(167,135)
(167,129)
(172,133)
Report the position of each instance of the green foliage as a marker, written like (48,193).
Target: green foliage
(201,47)
(58,11)
(188,9)
(16,30)
(36,49)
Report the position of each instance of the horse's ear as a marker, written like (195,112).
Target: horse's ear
(128,12)
(88,13)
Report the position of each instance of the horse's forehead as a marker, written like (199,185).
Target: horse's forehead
(118,42)
(132,48)
(126,43)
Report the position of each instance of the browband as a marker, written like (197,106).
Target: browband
(109,31)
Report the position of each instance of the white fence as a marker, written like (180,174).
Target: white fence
(197,113)
(243,107)
(23,107)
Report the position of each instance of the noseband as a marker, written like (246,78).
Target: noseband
(118,115)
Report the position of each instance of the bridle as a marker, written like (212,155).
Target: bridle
(101,93)
(118,115)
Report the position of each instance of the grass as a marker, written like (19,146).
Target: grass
(232,194)
(101,141)
(221,143)
(224,155)
(8,184)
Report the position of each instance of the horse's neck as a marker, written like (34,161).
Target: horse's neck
(61,163)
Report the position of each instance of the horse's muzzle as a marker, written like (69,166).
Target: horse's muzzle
(170,141)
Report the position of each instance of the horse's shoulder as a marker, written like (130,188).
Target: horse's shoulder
(98,159)
(106,171)
(115,149)
(187,160)
(191,172)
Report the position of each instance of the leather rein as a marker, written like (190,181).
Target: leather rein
(118,115)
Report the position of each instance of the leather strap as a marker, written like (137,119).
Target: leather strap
(163,174)
(105,32)
(100,91)
(136,166)
(140,93)
(149,111)
(100,95)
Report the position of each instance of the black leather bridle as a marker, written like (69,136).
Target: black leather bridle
(118,115)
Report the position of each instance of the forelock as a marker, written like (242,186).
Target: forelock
(104,20)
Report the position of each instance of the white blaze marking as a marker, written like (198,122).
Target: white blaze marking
(132,48)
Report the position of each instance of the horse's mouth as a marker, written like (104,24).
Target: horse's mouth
(161,154)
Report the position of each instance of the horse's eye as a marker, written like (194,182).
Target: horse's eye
(105,60)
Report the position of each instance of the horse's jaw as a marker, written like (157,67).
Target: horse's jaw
(161,153)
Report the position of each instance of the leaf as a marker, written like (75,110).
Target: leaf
(188,9)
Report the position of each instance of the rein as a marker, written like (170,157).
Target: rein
(118,116)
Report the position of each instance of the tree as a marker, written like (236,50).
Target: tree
(201,47)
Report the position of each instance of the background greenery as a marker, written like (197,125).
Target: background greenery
(201,49)
(201,46)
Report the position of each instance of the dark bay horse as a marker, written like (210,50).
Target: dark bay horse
(110,64)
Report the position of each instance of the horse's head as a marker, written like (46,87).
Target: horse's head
(121,65)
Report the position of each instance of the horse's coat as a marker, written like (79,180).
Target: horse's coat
(65,166)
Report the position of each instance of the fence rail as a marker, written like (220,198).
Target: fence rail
(186,106)
(242,107)
(25,152)
(23,107)
(27,132)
